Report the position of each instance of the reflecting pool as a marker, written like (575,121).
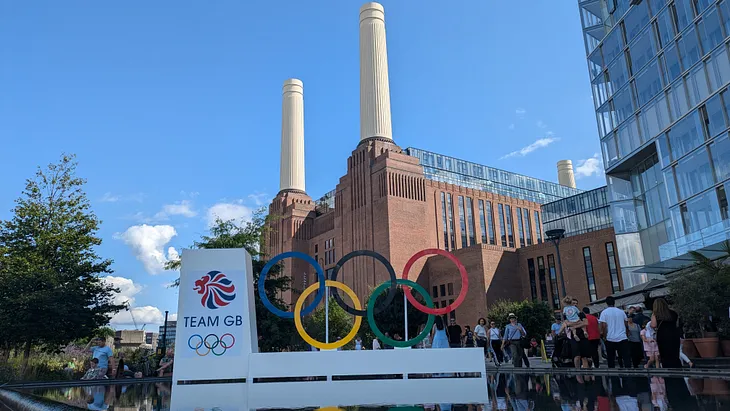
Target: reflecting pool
(506,392)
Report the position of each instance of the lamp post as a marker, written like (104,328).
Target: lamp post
(555,235)
(163,351)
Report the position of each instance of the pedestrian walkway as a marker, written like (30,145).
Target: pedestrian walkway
(535,363)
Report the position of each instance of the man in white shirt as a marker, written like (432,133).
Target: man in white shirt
(615,332)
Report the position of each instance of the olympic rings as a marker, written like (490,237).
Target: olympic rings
(388,267)
(262,280)
(203,342)
(357,311)
(374,327)
(312,341)
(464,282)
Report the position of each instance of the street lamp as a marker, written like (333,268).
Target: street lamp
(555,235)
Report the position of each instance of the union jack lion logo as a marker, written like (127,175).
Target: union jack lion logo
(216,289)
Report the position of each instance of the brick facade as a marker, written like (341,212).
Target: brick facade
(384,203)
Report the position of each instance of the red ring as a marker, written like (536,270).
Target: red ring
(232,342)
(464,282)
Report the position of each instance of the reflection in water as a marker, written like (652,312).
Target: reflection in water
(506,391)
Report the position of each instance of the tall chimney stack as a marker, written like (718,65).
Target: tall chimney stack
(374,86)
(292,136)
(565,173)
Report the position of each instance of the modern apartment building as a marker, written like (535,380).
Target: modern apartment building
(659,71)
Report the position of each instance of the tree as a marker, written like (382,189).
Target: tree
(701,296)
(340,322)
(52,292)
(392,320)
(275,333)
(535,316)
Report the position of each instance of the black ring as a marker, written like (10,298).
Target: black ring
(391,290)
(217,341)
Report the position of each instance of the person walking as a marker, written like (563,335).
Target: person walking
(513,334)
(454,333)
(480,332)
(594,336)
(438,334)
(636,346)
(495,342)
(613,328)
(468,337)
(668,333)
(650,347)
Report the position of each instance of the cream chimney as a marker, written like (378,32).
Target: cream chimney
(292,136)
(565,173)
(374,87)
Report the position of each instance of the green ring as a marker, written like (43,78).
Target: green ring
(379,334)
(216,354)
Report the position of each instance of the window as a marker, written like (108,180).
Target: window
(490,223)
(533,282)
(689,48)
(510,228)
(520,228)
(501,225)
(612,268)
(671,63)
(697,88)
(528,226)
(538,227)
(700,212)
(434,291)
(693,173)
(686,135)
(643,50)
(725,12)
(722,200)
(648,83)
(665,27)
(462,222)
(714,116)
(710,30)
(470,217)
(445,223)
(612,45)
(452,234)
(482,222)
(636,19)
(677,97)
(684,14)
(450,288)
(720,151)
(541,276)
(553,281)
(442,287)
(589,273)
(618,72)
(452,314)
(316,248)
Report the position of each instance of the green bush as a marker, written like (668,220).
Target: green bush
(535,316)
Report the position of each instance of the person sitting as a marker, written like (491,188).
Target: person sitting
(94,372)
(166,364)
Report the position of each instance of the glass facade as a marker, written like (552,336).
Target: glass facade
(462,222)
(659,71)
(520,227)
(470,218)
(502,229)
(452,232)
(451,170)
(482,222)
(533,282)
(490,223)
(528,226)
(538,227)
(581,213)
(589,273)
(553,281)
(325,203)
(541,276)
(612,268)
(510,228)
(445,221)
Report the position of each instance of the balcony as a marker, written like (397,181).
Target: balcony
(675,255)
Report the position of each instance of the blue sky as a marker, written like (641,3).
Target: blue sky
(173,107)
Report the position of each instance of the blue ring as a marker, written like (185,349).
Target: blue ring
(201,341)
(262,280)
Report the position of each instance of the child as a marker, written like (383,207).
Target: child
(650,346)
(570,312)
(94,372)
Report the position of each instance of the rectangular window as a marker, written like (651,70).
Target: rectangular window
(482,222)
(442,288)
(612,268)
(445,222)
(462,222)
(490,223)
(541,276)
(500,207)
(528,226)
(686,134)
(589,273)
(434,291)
(538,227)
(533,282)
(510,228)
(553,282)
(520,228)
(710,30)
(452,234)
(693,173)
(450,288)
(720,150)
(452,315)
(470,218)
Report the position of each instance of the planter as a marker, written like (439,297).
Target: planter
(725,344)
(708,347)
(689,349)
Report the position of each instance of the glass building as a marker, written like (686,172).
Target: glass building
(659,72)
(451,170)
(579,214)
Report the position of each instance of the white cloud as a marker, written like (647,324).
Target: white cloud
(191,194)
(589,167)
(147,243)
(520,112)
(127,289)
(258,198)
(109,198)
(511,126)
(541,124)
(113,198)
(147,316)
(236,211)
(540,143)
(183,208)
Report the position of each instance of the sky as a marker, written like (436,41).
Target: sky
(173,108)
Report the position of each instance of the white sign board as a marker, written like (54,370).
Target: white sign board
(216,317)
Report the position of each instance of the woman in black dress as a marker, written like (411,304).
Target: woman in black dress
(668,332)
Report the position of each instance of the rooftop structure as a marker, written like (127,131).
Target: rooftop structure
(579,214)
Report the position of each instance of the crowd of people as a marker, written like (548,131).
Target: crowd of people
(98,365)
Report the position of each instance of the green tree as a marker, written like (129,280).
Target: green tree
(274,333)
(52,292)
(392,320)
(340,322)
(535,316)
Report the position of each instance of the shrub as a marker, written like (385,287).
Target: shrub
(535,316)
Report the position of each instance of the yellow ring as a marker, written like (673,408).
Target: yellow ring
(298,316)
